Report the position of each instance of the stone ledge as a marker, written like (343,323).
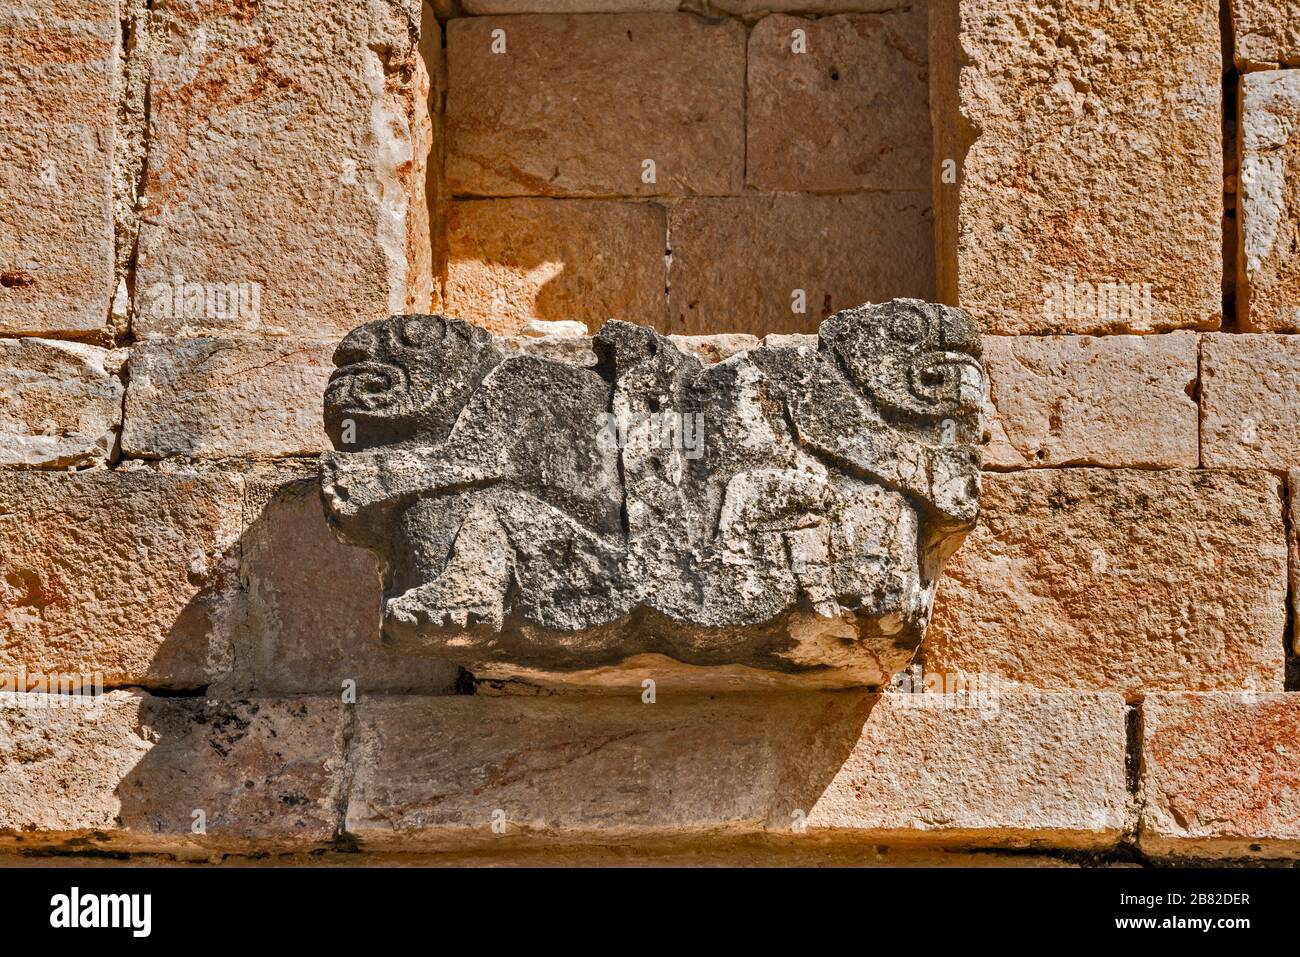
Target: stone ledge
(816,772)
(1031,770)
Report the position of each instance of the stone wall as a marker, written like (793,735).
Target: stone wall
(201,198)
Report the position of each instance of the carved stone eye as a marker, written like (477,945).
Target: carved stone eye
(366,385)
(417,332)
(907,325)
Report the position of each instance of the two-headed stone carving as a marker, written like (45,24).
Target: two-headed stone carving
(788,509)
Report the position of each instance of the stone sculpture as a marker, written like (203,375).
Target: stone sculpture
(788,509)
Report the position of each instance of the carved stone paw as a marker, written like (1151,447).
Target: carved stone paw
(420,608)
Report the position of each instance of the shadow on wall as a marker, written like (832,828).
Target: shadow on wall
(512,260)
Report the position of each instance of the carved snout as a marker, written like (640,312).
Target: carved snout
(951,382)
(366,386)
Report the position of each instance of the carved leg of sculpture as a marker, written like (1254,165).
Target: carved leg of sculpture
(568,573)
(874,541)
(810,561)
(765,550)
(460,574)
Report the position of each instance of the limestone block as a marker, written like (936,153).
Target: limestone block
(60,403)
(495,773)
(131,771)
(1079,164)
(840,105)
(1267,33)
(570,6)
(1221,775)
(1250,396)
(514,260)
(578,106)
(1125,580)
(1268,202)
(284,185)
(1293,524)
(59,68)
(1113,401)
(221,397)
(126,574)
(783,263)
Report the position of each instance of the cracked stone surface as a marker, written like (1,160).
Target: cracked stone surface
(784,511)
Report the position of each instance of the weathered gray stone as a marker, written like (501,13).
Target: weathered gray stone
(220,397)
(60,403)
(786,509)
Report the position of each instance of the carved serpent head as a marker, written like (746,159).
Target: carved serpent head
(404,377)
(917,360)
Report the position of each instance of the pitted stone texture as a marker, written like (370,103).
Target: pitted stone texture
(1250,400)
(712,349)
(60,403)
(1267,33)
(750,9)
(216,398)
(128,574)
(842,107)
(481,7)
(1026,769)
(313,605)
(1066,121)
(1132,581)
(997,769)
(130,771)
(1268,202)
(59,63)
(286,161)
(575,106)
(787,510)
(1293,524)
(513,260)
(1221,775)
(1080,400)
(746,264)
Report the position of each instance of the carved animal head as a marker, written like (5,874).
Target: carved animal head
(404,377)
(917,360)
